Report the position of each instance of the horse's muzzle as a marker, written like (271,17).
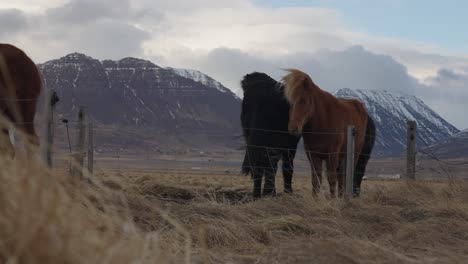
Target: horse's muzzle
(294,132)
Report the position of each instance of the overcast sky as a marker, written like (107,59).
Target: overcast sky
(416,47)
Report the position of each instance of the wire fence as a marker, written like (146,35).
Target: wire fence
(430,162)
(228,161)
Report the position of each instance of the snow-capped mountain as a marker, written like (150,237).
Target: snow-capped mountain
(137,92)
(149,105)
(391,112)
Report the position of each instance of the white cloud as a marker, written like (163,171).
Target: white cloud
(35,6)
(250,28)
(353,67)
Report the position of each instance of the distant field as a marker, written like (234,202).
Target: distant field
(124,215)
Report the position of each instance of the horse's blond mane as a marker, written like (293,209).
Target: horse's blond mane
(298,84)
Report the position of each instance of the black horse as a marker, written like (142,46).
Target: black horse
(264,119)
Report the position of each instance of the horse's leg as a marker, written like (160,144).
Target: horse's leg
(341,177)
(332,166)
(316,168)
(288,169)
(269,186)
(257,174)
(6,146)
(270,174)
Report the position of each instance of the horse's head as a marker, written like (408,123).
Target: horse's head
(300,97)
(255,79)
(300,113)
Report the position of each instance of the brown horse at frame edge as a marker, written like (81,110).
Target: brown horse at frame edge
(20,87)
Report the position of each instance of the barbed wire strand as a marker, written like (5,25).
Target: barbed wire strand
(431,154)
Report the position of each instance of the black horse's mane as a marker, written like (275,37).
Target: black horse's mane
(260,83)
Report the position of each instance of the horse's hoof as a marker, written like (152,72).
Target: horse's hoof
(256,196)
(356,192)
(269,193)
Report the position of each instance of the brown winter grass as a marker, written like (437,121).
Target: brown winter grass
(173,217)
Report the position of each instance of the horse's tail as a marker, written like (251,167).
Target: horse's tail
(246,170)
(246,167)
(364,156)
(295,81)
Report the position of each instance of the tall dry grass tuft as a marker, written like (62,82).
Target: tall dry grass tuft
(48,217)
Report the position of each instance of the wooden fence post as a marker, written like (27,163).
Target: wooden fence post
(350,161)
(80,146)
(90,148)
(411,150)
(49,129)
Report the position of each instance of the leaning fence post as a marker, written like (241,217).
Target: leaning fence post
(411,150)
(350,161)
(80,148)
(90,148)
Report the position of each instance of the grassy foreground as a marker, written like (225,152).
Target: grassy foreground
(172,217)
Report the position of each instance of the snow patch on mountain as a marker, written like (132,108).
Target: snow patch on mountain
(391,112)
(200,77)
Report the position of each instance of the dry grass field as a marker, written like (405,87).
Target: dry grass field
(147,216)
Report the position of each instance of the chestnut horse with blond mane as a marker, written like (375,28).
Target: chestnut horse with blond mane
(20,86)
(323,120)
